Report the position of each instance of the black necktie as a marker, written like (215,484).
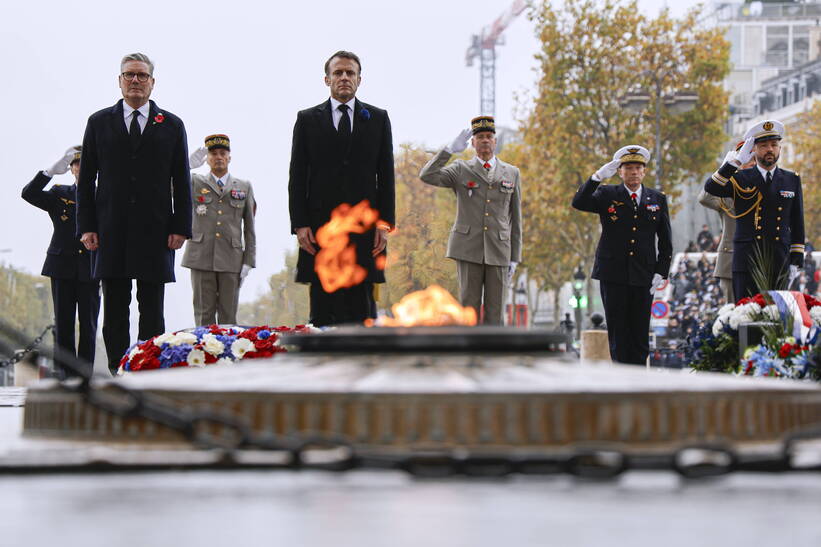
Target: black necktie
(344,128)
(769,177)
(134,129)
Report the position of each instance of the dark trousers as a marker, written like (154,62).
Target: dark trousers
(352,305)
(627,311)
(74,298)
(743,285)
(116,327)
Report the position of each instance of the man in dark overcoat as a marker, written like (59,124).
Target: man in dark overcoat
(134,203)
(342,153)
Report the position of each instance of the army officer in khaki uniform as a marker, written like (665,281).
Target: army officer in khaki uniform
(486,238)
(223,217)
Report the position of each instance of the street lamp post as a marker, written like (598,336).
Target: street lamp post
(578,285)
(676,103)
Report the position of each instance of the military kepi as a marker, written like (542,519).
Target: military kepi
(632,153)
(78,152)
(482,123)
(765,131)
(217,141)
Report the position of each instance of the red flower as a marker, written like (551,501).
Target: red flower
(611,209)
(472,184)
(201,199)
(159,118)
(785,351)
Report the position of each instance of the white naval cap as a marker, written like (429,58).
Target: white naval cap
(632,153)
(765,130)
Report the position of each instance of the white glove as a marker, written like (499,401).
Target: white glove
(243,273)
(656,283)
(730,158)
(197,157)
(460,143)
(607,170)
(794,273)
(511,269)
(745,154)
(62,164)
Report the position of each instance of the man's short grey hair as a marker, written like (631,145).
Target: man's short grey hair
(142,57)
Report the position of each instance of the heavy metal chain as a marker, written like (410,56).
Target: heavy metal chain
(19,355)
(235,437)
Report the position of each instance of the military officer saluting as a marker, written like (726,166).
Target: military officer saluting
(68,264)
(768,208)
(634,251)
(223,248)
(486,238)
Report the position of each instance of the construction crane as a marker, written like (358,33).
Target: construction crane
(484,46)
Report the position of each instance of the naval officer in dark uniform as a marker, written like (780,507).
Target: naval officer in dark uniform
(769,209)
(68,263)
(634,251)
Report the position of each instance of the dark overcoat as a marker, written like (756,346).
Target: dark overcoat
(134,198)
(324,174)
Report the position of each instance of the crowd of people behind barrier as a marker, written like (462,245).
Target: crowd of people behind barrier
(696,296)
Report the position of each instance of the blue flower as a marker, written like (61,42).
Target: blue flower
(264,334)
(365,114)
(174,354)
(200,331)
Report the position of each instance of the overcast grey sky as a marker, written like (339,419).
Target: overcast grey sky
(243,68)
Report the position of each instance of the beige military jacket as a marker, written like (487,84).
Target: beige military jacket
(488,225)
(223,225)
(724,260)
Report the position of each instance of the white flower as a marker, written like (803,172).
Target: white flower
(815,315)
(225,361)
(134,352)
(771,312)
(718,327)
(738,319)
(726,309)
(183,338)
(163,339)
(212,345)
(196,358)
(241,346)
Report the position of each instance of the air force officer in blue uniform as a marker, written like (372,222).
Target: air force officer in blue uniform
(68,263)
(634,251)
(768,207)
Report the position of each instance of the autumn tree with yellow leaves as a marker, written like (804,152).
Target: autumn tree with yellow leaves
(594,52)
(805,143)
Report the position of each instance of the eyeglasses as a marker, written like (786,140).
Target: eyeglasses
(142,77)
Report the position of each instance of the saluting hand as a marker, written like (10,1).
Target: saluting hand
(61,166)
(460,143)
(197,157)
(607,170)
(746,153)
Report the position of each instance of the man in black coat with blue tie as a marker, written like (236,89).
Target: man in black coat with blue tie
(73,291)
(634,252)
(342,153)
(134,203)
(768,207)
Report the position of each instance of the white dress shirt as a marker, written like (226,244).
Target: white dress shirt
(223,179)
(481,163)
(336,114)
(637,192)
(142,120)
(764,172)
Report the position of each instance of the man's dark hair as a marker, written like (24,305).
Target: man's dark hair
(345,55)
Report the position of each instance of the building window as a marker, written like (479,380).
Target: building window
(753,38)
(777,46)
(800,44)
